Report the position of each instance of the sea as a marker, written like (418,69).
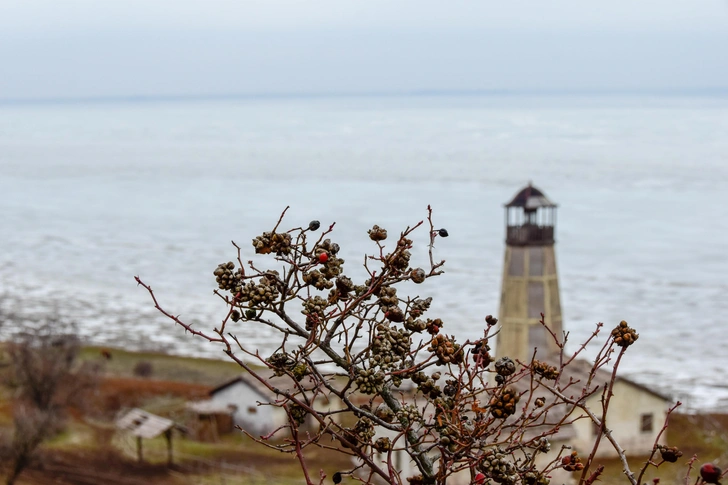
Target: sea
(96,192)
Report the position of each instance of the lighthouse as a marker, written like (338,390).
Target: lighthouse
(530,284)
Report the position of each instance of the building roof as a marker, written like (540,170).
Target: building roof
(211,407)
(143,424)
(283,383)
(530,197)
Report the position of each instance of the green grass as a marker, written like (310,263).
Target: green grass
(165,367)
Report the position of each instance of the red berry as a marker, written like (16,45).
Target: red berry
(710,473)
(323,257)
(479,479)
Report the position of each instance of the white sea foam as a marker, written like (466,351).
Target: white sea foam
(95,194)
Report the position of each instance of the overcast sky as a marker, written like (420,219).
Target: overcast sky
(89,48)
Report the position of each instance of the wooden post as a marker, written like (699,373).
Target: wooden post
(140,457)
(168,435)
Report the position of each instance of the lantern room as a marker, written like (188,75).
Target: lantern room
(530,218)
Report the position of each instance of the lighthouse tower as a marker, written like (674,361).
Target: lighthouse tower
(530,282)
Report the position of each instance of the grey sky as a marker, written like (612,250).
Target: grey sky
(80,48)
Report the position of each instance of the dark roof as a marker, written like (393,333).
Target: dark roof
(530,197)
(283,383)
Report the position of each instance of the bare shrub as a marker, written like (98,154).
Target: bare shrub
(144,369)
(403,385)
(47,378)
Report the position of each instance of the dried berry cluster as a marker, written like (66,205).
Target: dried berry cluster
(624,335)
(273,242)
(481,353)
(364,430)
(369,381)
(400,258)
(382,445)
(544,370)
(300,371)
(314,308)
(535,478)
(427,385)
(504,367)
(542,444)
(281,362)
(344,286)
(446,350)
(377,233)
(297,412)
(418,307)
(262,293)
(572,462)
(332,265)
(434,326)
(389,346)
(384,413)
(408,414)
(498,467)
(317,280)
(227,279)
(669,453)
(504,404)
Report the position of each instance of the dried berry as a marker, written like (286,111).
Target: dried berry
(443,232)
(314,225)
(710,473)
(418,275)
(491,320)
(624,335)
(540,402)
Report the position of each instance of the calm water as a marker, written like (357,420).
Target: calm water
(93,194)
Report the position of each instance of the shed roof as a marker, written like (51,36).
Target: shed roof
(282,383)
(530,197)
(143,424)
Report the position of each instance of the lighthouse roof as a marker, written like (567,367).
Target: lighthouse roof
(530,198)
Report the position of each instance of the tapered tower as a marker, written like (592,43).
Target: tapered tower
(530,282)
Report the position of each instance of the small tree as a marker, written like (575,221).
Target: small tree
(47,378)
(364,344)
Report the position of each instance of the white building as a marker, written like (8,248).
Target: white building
(253,405)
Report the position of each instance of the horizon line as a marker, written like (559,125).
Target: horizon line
(145,98)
